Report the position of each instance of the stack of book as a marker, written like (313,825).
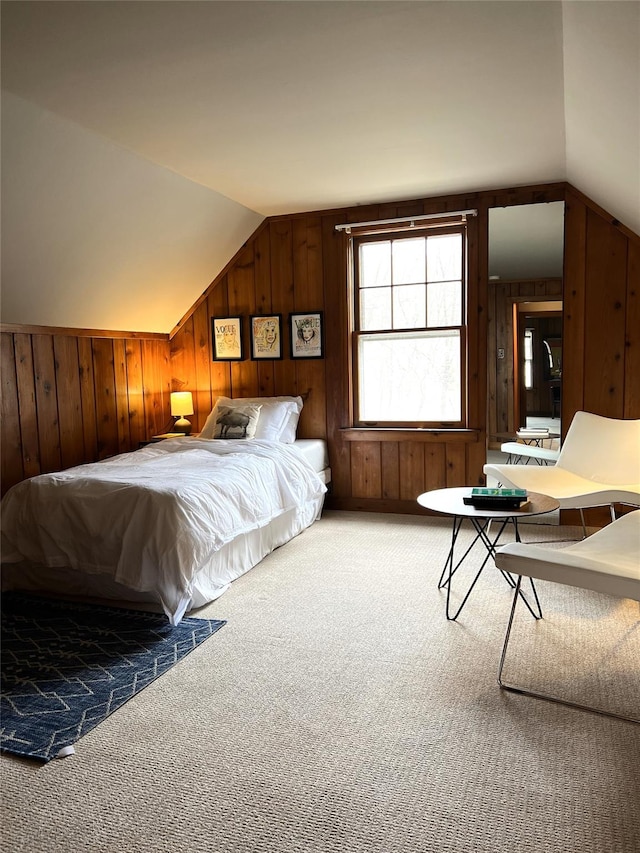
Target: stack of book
(533,432)
(496,498)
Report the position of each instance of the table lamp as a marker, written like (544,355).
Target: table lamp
(181,405)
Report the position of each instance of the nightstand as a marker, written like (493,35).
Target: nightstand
(156,438)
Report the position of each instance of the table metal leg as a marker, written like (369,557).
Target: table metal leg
(491,547)
(448,570)
(480,526)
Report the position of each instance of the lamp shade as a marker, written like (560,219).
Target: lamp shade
(181,403)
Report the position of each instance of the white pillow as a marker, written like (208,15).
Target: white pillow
(278,419)
(285,409)
(237,422)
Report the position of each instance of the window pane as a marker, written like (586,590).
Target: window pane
(409,307)
(413,376)
(408,261)
(528,344)
(375,309)
(375,264)
(528,359)
(444,257)
(444,303)
(528,375)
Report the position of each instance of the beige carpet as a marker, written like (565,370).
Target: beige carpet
(339,711)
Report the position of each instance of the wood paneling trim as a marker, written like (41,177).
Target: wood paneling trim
(80,333)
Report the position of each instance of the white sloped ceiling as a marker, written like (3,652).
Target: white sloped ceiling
(145,141)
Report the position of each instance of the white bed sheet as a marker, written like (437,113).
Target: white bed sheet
(315,452)
(171,521)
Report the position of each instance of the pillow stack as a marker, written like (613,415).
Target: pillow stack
(271,418)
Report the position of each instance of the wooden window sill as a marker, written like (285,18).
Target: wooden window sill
(403,434)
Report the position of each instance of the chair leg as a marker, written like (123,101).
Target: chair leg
(514,688)
(584,528)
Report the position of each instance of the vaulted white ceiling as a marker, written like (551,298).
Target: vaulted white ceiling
(291,106)
(281,107)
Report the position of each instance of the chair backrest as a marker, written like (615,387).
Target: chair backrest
(604,450)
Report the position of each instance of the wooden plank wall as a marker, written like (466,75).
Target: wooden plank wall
(279,271)
(601,332)
(299,262)
(601,320)
(500,371)
(69,398)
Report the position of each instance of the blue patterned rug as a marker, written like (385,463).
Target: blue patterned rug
(66,666)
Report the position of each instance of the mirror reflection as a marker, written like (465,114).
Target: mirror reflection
(526,251)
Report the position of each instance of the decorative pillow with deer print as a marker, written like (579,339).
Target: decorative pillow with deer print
(237,422)
(278,419)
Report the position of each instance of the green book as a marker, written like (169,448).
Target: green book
(520,494)
(496,499)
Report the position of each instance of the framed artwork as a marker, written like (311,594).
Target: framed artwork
(266,336)
(226,334)
(307,335)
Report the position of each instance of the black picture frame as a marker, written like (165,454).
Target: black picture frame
(226,339)
(266,336)
(303,344)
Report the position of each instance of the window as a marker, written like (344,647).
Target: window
(409,327)
(528,359)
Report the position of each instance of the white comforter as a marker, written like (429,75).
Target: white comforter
(152,518)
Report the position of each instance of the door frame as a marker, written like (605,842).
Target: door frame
(554,309)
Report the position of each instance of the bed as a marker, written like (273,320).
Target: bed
(173,523)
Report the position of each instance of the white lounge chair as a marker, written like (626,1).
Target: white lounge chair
(608,562)
(518,451)
(598,465)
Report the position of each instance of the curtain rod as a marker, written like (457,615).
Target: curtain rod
(347,226)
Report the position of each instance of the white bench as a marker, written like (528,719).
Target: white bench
(519,452)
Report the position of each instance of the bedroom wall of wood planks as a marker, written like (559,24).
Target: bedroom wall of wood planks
(298,263)
(70,396)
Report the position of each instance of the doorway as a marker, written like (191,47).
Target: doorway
(537,359)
